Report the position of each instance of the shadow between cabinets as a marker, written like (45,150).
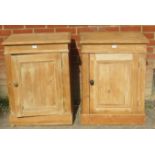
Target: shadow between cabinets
(75,63)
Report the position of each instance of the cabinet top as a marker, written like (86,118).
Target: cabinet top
(112,37)
(35,38)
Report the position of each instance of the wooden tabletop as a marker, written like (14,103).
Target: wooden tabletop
(112,37)
(35,38)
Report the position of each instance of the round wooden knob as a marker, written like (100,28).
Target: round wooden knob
(15,84)
(91,82)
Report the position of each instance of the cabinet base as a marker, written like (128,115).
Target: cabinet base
(42,120)
(98,119)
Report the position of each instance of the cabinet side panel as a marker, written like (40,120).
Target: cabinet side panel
(66,83)
(59,85)
(85,84)
(141,82)
(9,82)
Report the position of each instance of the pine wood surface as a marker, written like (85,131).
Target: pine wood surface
(38,79)
(36,38)
(115,62)
(112,37)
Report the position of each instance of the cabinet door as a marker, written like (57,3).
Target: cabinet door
(37,84)
(111,77)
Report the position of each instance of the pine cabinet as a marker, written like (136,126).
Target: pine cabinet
(38,78)
(113,77)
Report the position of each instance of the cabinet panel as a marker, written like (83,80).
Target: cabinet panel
(37,84)
(112,75)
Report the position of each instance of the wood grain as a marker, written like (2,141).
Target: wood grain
(35,73)
(113,57)
(65,119)
(37,38)
(85,84)
(66,83)
(112,38)
(141,82)
(38,79)
(98,119)
(117,67)
(119,48)
(9,83)
(26,49)
(111,91)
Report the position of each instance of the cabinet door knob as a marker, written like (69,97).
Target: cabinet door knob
(15,84)
(91,82)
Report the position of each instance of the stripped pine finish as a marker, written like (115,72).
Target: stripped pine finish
(38,79)
(113,78)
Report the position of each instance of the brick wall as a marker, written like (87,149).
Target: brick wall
(6,30)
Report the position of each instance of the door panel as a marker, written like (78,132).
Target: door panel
(112,75)
(40,84)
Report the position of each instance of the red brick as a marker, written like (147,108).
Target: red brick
(0,26)
(149,28)
(150,56)
(67,29)
(149,35)
(43,30)
(5,32)
(56,26)
(149,49)
(1,58)
(109,28)
(35,26)
(86,29)
(1,47)
(13,26)
(75,26)
(2,52)
(130,28)
(1,39)
(22,31)
(151,43)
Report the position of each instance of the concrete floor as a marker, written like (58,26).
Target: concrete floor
(149,123)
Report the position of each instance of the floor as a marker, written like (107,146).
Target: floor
(149,123)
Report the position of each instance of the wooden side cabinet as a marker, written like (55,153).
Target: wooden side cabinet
(113,77)
(38,78)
